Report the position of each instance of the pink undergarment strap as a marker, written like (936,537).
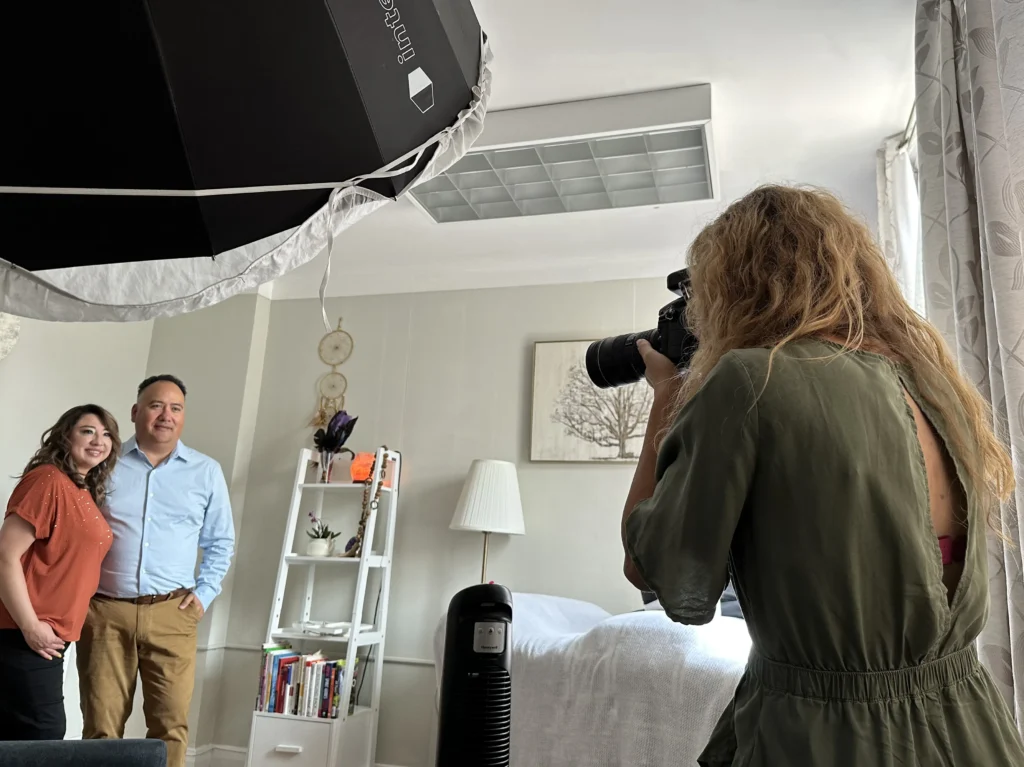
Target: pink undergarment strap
(953,549)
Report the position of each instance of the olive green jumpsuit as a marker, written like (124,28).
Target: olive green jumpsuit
(811,491)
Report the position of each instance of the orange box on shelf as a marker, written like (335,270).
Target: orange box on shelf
(361,465)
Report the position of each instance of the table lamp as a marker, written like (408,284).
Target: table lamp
(490,503)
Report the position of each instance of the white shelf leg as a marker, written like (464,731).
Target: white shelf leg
(307,604)
(289,536)
(389,547)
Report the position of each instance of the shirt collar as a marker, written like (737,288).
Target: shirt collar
(181,451)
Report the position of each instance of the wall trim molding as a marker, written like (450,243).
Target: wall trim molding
(396,659)
(212,755)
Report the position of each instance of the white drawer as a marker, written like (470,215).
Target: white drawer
(289,742)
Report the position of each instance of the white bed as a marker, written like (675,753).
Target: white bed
(591,689)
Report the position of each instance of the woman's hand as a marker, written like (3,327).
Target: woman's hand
(661,373)
(40,637)
(663,376)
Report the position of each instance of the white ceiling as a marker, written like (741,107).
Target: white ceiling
(802,91)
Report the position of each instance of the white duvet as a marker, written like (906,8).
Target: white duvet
(590,689)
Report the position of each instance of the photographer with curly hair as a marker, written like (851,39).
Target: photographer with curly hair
(824,451)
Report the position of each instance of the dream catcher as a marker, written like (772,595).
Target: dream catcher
(334,349)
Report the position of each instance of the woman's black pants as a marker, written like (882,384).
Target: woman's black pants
(31,692)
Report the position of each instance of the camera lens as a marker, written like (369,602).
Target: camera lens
(616,361)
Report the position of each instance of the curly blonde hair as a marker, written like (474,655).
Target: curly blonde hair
(783,264)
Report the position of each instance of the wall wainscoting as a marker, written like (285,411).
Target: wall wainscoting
(225,756)
(396,659)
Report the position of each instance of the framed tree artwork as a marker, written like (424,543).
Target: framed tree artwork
(573,420)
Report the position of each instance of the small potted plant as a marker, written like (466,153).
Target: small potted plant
(321,542)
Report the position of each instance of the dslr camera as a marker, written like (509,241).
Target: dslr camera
(616,361)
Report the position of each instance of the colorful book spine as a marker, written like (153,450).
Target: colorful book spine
(325,691)
(270,651)
(302,685)
(306,683)
(314,688)
(282,683)
(339,677)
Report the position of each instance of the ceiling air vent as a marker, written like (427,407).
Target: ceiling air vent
(619,171)
(627,151)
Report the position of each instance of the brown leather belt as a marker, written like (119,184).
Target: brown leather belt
(148,599)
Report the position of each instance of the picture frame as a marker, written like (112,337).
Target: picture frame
(573,421)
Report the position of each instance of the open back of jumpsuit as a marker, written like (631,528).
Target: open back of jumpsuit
(812,491)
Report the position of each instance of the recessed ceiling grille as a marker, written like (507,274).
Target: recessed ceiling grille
(623,171)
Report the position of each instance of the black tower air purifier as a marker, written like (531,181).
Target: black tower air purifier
(475,728)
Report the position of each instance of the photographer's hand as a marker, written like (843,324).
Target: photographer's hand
(663,376)
(661,373)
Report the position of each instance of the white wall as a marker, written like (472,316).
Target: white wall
(218,353)
(445,378)
(56,366)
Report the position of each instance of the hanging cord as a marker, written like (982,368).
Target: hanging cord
(908,132)
(405,164)
(408,161)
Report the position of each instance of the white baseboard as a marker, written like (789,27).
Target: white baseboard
(213,755)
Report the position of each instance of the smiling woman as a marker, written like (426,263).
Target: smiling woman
(52,542)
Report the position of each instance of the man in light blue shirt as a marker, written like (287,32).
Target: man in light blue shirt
(165,502)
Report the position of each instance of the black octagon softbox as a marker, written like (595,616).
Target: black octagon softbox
(136,130)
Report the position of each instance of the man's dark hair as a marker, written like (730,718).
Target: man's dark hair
(163,377)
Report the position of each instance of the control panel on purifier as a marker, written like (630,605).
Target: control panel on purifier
(489,637)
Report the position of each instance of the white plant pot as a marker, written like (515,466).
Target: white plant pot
(318,547)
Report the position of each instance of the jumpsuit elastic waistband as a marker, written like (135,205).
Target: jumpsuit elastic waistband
(864,686)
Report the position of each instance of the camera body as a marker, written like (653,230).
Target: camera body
(616,361)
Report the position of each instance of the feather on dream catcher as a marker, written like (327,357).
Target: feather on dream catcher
(334,349)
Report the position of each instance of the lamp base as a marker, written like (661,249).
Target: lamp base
(483,567)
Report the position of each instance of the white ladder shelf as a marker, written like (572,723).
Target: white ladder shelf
(351,739)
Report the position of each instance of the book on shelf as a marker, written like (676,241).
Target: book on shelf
(301,685)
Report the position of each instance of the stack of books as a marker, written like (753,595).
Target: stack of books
(300,685)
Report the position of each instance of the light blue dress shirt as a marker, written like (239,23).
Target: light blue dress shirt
(159,517)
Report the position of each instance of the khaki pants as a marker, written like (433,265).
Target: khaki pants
(121,642)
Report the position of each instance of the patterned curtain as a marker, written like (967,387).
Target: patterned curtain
(970,117)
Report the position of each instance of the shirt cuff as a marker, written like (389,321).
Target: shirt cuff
(205,595)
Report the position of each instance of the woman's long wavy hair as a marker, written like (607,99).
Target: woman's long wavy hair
(55,450)
(783,264)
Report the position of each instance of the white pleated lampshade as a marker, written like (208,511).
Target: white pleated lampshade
(490,501)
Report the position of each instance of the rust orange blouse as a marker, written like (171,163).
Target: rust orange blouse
(62,567)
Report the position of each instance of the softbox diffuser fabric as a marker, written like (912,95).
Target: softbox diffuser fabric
(167,154)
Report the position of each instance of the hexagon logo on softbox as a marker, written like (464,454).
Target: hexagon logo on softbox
(421,90)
